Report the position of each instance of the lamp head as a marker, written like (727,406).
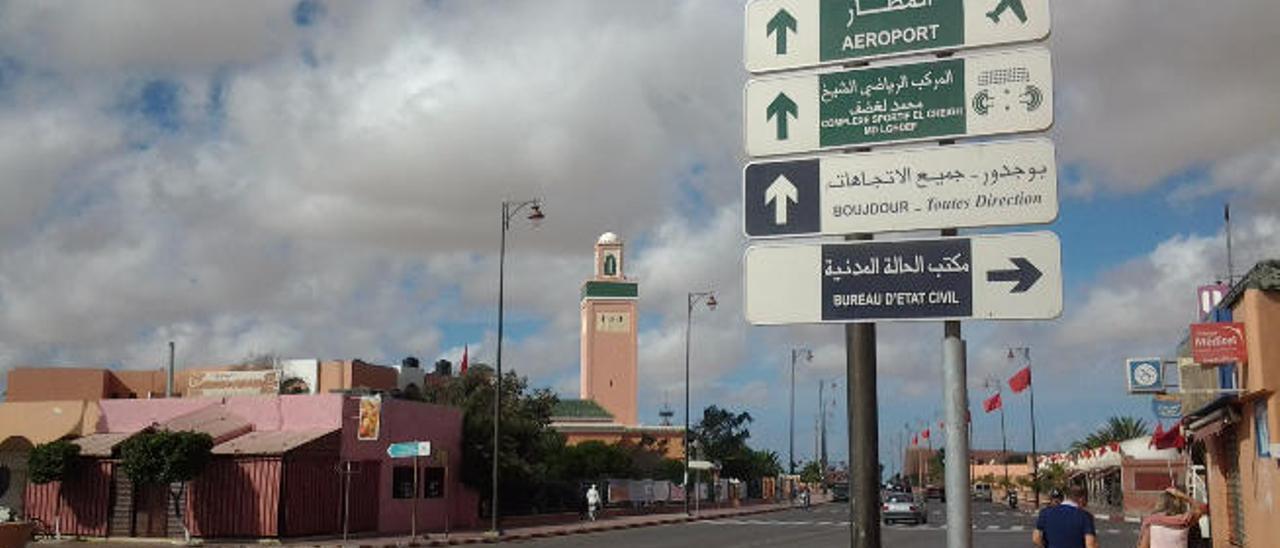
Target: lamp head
(711,302)
(536,216)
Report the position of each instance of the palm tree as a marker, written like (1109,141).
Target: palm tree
(1115,430)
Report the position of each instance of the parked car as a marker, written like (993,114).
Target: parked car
(903,507)
(982,492)
(840,492)
(935,492)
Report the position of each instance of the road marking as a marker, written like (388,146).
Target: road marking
(1016,528)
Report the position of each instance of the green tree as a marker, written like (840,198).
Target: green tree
(1050,477)
(722,436)
(937,466)
(529,445)
(811,472)
(162,457)
(1115,430)
(593,460)
(53,461)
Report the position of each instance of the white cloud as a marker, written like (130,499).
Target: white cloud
(1139,99)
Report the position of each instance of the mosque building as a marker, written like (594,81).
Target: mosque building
(609,376)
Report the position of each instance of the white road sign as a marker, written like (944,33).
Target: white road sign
(786,34)
(998,277)
(981,94)
(992,184)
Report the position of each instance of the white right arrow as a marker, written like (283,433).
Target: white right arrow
(779,192)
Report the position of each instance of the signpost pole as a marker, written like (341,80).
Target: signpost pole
(413,519)
(864,431)
(449,503)
(956,399)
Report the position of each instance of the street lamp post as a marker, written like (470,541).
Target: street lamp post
(509,210)
(694,298)
(791,422)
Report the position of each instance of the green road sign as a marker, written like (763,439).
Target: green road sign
(988,94)
(785,34)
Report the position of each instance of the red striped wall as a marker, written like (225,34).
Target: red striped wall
(80,506)
(311,503)
(237,498)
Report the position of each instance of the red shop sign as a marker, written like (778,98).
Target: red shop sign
(1218,343)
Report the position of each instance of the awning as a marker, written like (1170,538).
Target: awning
(215,420)
(1213,423)
(100,444)
(269,443)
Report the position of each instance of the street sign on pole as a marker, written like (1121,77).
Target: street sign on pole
(991,184)
(786,34)
(998,277)
(406,449)
(982,94)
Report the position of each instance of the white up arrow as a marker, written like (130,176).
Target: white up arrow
(779,192)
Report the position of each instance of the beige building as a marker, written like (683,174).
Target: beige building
(1238,433)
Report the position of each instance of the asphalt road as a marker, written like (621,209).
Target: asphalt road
(828,525)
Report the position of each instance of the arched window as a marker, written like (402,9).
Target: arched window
(610,265)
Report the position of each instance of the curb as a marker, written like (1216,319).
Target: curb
(567,531)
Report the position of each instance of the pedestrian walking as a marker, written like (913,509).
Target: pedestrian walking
(593,502)
(1169,526)
(1066,525)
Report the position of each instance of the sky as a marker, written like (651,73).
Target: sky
(324,179)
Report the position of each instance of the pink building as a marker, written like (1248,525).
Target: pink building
(284,466)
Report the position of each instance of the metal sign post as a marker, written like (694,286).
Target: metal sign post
(1015,276)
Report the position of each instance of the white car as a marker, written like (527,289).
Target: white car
(903,507)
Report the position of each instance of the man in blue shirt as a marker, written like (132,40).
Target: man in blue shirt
(1066,525)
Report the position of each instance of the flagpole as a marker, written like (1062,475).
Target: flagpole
(1035,459)
(1004,440)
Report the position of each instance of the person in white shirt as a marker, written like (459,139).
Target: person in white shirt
(593,502)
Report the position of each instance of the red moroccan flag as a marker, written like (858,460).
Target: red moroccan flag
(1171,438)
(992,403)
(1020,380)
(463,370)
(925,434)
(1155,436)
(915,440)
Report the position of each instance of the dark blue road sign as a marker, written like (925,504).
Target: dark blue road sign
(781,198)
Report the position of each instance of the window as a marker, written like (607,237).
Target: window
(1151,481)
(610,265)
(402,482)
(1261,435)
(432,483)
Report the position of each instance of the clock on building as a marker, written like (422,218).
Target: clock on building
(1145,375)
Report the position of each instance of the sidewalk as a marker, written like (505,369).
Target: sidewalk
(544,531)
